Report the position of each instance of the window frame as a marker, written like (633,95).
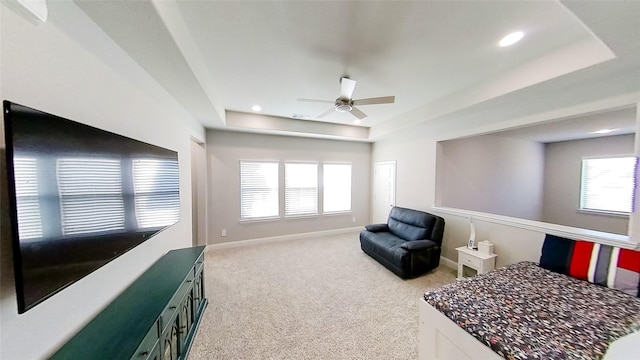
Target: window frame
(323,187)
(277,189)
(582,195)
(317,190)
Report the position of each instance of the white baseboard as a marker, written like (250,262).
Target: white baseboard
(234,244)
(449,263)
(241,243)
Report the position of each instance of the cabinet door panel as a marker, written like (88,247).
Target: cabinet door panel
(175,302)
(186,316)
(146,346)
(198,291)
(155,353)
(171,340)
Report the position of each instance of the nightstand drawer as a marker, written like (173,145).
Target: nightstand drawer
(468,260)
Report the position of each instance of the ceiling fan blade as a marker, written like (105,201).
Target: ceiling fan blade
(346,88)
(326,113)
(317,101)
(358,113)
(376,100)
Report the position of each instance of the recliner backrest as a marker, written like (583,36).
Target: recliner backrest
(412,224)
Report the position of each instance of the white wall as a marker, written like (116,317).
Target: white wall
(199,193)
(524,179)
(68,67)
(225,149)
(414,149)
(563,162)
(492,174)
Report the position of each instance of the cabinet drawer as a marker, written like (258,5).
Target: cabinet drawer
(200,259)
(148,343)
(199,265)
(469,260)
(174,304)
(184,288)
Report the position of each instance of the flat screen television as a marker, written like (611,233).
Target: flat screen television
(79,197)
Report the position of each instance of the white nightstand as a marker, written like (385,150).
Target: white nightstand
(472,262)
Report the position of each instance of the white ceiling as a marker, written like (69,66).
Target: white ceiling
(619,121)
(439,58)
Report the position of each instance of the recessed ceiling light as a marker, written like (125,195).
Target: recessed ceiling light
(511,39)
(256,108)
(357,122)
(603,131)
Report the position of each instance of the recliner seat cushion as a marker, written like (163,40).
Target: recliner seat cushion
(383,244)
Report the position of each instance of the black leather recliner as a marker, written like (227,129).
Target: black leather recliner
(408,244)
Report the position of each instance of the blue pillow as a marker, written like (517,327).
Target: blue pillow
(556,254)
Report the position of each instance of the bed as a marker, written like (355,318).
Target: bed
(524,311)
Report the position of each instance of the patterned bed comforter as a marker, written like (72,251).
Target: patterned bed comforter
(525,312)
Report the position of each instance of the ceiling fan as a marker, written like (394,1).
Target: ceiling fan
(345,103)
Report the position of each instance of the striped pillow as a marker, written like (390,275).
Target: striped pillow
(603,265)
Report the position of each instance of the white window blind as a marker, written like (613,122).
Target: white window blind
(607,184)
(259,190)
(300,189)
(156,185)
(336,187)
(90,195)
(26,181)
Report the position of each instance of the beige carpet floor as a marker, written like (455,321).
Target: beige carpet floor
(314,298)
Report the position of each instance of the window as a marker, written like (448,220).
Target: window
(258,190)
(607,184)
(156,185)
(90,195)
(300,189)
(336,187)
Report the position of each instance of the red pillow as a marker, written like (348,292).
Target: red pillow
(606,265)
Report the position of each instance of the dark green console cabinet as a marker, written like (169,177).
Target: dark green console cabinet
(155,318)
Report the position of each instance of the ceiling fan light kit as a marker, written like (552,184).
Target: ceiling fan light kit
(345,103)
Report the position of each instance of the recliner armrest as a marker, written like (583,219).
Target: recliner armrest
(416,245)
(377,228)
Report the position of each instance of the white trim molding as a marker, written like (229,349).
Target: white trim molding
(300,236)
(600,237)
(449,263)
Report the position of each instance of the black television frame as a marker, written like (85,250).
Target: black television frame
(111,245)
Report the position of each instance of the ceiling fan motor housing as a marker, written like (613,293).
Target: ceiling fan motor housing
(343,105)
